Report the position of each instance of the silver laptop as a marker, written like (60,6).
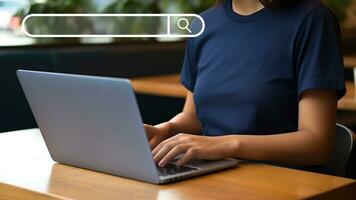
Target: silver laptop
(94,123)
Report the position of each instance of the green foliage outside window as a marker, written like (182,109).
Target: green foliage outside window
(339,7)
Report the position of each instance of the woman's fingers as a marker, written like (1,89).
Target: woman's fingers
(159,147)
(174,152)
(163,150)
(189,155)
(162,144)
(169,149)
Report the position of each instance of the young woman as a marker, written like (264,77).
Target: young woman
(263,81)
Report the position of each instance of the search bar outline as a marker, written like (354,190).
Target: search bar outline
(168,34)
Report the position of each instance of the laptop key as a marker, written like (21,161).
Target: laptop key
(171,169)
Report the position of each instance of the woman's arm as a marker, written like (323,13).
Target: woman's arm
(310,145)
(184,122)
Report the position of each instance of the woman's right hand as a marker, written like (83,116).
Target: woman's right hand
(157,134)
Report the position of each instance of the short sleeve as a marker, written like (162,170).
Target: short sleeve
(189,70)
(319,61)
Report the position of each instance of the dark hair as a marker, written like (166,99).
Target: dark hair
(273,3)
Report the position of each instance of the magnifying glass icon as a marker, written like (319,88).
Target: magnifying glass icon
(183,24)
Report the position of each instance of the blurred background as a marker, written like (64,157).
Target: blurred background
(119,57)
(13,11)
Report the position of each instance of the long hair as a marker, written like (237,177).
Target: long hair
(273,3)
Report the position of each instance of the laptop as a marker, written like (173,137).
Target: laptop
(94,123)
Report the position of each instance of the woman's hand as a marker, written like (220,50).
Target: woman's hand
(157,134)
(194,147)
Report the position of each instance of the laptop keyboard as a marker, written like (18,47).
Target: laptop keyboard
(171,169)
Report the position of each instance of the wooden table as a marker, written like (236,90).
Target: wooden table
(28,172)
(165,85)
(350,61)
(348,102)
(169,85)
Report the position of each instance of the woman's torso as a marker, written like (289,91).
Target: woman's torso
(247,76)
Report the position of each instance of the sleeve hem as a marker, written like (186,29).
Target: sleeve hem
(187,85)
(337,86)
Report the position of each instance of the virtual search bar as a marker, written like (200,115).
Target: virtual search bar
(112,25)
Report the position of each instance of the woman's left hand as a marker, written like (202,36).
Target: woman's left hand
(194,147)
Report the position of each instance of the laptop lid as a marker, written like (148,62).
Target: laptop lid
(90,122)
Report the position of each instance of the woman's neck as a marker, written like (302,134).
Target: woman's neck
(246,7)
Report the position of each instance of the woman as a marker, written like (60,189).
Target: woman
(263,81)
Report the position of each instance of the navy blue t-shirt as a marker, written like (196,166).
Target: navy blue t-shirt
(247,73)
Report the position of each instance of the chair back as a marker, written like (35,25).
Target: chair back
(341,158)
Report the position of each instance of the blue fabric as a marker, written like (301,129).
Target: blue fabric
(247,73)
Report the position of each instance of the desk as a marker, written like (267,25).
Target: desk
(348,102)
(164,85)
(350,61)
(169,85)
(28,172)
